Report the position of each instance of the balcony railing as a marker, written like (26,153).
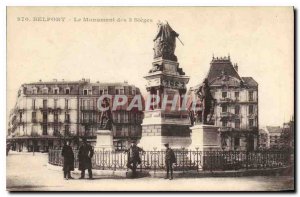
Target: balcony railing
(225,100)
(186,160)
(224,129)
(87,108)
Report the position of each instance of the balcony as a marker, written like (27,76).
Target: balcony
(56,109)
(226,114)
(34,120)
(87,108)
(225,129)
(45,109)
(225,100)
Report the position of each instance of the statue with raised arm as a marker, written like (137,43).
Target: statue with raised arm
(165,42)
(106,116)
(207,101)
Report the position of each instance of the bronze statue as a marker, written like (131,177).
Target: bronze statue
(106,116)
(165,42)
(207,101)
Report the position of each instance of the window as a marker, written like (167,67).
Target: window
(224,94)
(55,117)
(105,91)
(237,109)
(55,129)
(33,103)
(67,117)
(236,141)
(34,90)
(122,91)
(250,109)
(85,92)
(33,116)
(236,95)
(250,95)
(56,90)
(224,108)
(117,91)
(224,123)
(237,123)
(45,90)
(45,117)
(251,123)
(133,92)
(67,90)
(44,103)
(67,130)
(66,104)
(55,103)
(101,92)
(45,129)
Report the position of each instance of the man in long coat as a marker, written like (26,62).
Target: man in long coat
(169,160)
(68,156)
(133,157)
(85,155)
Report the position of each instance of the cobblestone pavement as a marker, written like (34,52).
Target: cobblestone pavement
(26,172)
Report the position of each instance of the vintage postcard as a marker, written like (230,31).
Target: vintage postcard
(150,99)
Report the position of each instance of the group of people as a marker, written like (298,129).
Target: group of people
(86,153)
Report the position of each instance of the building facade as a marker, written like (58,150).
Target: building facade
(235,109)
(47,113)
(264,139)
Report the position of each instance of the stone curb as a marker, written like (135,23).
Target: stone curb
(192,174)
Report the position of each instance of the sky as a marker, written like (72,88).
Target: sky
(259,39)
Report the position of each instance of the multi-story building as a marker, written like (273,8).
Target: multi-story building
(275,136)
(236,105)
(46,113)
(263,139)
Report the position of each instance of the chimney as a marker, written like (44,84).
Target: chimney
(236,67)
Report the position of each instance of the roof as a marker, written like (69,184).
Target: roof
(220,66)
(249,81)
(263,131)
(274,129)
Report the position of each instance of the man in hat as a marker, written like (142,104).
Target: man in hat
(133,157)
(169,160)
(85,155)
(68,156)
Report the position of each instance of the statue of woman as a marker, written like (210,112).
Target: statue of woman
(165,42)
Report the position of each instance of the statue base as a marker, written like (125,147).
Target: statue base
(205,138)
(104,140)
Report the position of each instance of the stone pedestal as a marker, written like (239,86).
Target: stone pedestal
(104,140)
(205,138)
(163,124)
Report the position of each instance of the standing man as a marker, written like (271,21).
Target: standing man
(169,160)
(133,157)
(68,155)
(85,155)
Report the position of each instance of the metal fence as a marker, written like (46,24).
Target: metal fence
(186,160)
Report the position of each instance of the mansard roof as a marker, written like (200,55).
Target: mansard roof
(221,66)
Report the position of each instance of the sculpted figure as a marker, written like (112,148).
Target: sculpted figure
(165,42)
(207,101)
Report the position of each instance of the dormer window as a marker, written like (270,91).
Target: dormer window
(85,92)
(45,90)
(34,90)
(67,90)
(56,90)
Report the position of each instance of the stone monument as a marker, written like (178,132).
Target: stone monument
(165,80)
(205,136)
(104,134)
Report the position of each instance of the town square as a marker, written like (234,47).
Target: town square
(143,106)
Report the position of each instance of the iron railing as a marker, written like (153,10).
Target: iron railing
(186,160)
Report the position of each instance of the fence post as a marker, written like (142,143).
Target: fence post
(247,159)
